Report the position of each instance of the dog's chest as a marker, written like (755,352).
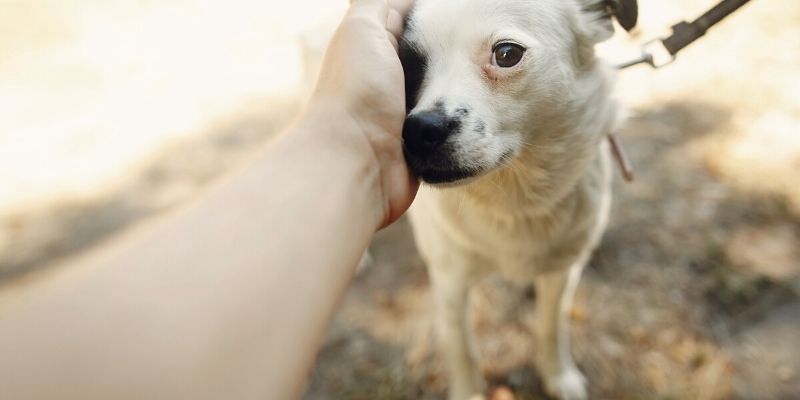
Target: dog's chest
(524,247)
(454,232)
(519,253)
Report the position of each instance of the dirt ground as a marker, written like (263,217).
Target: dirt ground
(693,294)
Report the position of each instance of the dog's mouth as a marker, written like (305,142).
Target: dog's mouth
(450,174)
(447,177)
(440,167)
(446,151)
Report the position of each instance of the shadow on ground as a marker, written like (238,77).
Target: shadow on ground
(38,236)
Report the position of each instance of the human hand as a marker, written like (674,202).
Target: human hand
(361,85)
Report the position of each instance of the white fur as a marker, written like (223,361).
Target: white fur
(536,216)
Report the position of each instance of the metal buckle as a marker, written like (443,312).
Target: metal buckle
(659,56)
(654,54)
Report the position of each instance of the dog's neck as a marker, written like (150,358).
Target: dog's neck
(532,185)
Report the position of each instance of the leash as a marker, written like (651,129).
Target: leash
(658,53)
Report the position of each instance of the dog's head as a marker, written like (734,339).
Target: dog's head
(485,77)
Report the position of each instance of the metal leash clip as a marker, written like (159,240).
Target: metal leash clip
(661,52)
(654,54)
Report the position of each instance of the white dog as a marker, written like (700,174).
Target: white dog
(508,112)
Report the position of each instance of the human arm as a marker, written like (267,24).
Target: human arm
(230,297)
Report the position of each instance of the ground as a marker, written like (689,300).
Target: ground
(693,294)
(683,299)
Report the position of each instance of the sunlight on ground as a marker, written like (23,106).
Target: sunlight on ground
(90,89)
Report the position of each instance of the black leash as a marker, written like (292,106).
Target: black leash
(683,34)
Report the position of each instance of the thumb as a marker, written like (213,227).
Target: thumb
(377,10)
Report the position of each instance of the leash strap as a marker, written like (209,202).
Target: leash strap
(660,52)
(623,162)
(683,34)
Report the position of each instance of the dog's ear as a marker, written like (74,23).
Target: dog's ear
(595,24)
(626,12)
(599,13)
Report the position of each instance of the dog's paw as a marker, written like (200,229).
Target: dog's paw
(568,385)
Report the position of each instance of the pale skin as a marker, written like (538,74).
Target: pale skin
(230,297)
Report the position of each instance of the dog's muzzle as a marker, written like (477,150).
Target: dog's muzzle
(424,133)
(429,153)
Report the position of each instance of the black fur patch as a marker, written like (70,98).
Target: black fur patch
(415,63)
(626,11)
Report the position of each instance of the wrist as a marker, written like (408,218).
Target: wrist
(327,137)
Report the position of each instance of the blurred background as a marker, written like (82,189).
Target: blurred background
(112,111)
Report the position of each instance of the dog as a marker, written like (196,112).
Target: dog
(508,109)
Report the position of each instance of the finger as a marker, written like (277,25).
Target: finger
(394,41)
(372,9)
(401,6)
(394,24)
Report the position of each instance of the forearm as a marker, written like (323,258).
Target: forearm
(230,297)
(349,211)
(188,308)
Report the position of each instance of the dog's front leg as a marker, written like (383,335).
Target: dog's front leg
(451,295)
(554,293)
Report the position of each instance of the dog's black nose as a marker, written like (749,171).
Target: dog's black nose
(424,132)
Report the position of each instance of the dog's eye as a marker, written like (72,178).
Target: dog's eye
(507,55)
